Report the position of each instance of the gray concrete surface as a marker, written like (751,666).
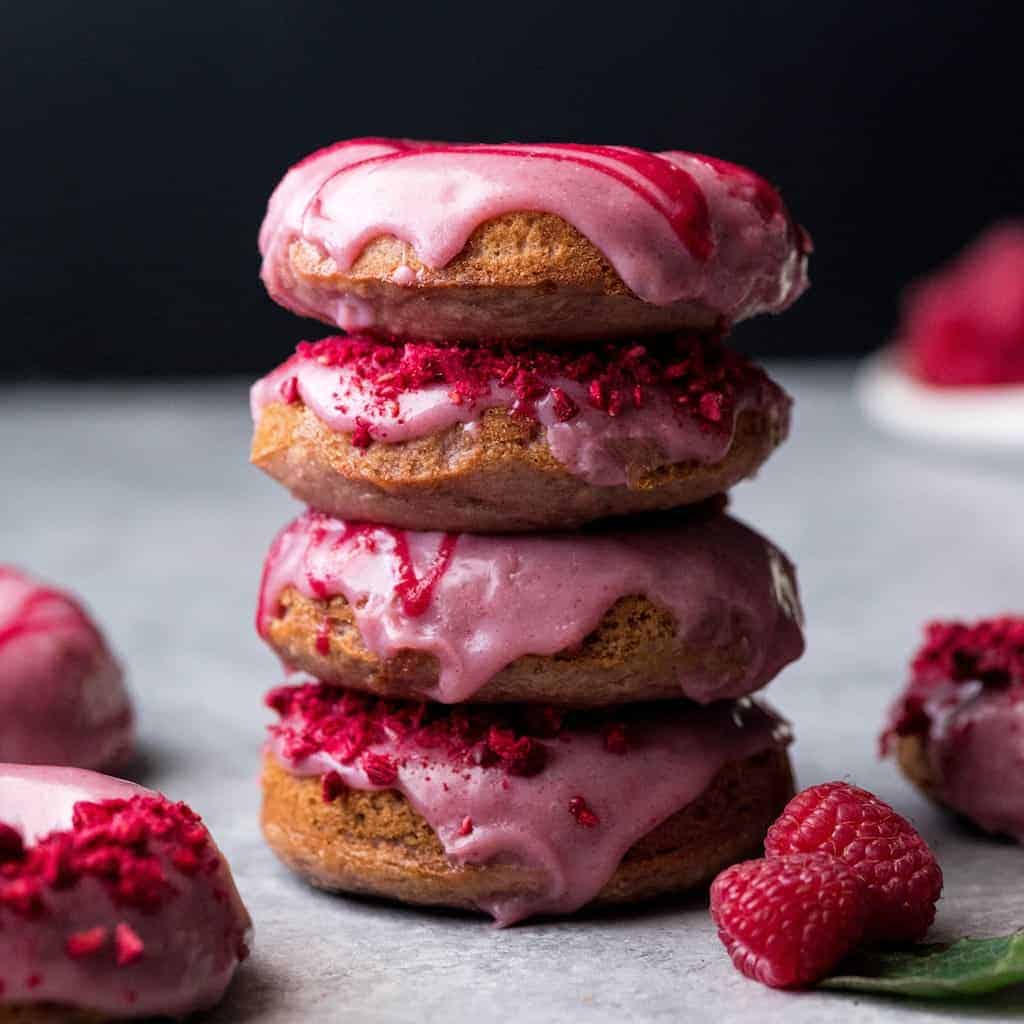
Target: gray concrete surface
(141,499)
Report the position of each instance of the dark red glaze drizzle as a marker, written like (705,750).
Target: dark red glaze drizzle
(42,610)
(989,652)
(413,591)
(686,209)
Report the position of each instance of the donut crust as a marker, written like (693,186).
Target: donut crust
(498,478)
(525,274)
(49,1013)
(374,843)
(912,757)
(632,655)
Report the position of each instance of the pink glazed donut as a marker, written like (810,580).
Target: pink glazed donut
(114,901)
(696,606)
(958,728)
(527,241)
(62,695)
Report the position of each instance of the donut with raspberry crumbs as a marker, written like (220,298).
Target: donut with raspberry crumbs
(114,902)
(516,241)
(62,694)
(516,811)
(957,730)
(495,439)
(696,605)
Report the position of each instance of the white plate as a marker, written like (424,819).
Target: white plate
(989,419)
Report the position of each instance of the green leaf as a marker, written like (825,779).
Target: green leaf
(967,967)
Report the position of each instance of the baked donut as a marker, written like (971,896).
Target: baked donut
(958,729)
(516,811)
(114,902)
(526,241)
(692,606)
(489,439)
(62,696)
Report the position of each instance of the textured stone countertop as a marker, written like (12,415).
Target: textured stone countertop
(141,499)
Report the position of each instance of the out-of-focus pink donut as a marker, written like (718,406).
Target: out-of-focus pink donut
(113,901)
(62,695)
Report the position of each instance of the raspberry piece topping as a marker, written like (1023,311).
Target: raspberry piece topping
(787,921)
(989,652)
(128,945)
(699,376)
(86,943)
(116,842)
(12,846)
(902,877)
(332,785)
(380,769)
(581,811)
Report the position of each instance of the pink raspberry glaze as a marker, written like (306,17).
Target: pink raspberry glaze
(62,697)
(675,226)
(569,812)
(497,598)
(677,402)
(112,899)
(965,701)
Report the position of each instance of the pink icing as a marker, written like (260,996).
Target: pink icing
(501,597)
(975,744)
(572,820)
(965,703)
(594,445)
(79,942)
(62,697)
(675,226)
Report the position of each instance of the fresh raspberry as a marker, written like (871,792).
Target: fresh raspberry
(787,921)
(888,854)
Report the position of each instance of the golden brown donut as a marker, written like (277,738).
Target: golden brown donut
(374,843)
(499,478)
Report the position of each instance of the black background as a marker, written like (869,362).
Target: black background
(141,141)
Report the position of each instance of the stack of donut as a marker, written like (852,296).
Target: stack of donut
(528,630)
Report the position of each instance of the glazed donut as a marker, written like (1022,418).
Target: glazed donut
(495,440)
(697,607)
(526,241)
(114,902)
(958,729)
(62,696)
(512,812)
